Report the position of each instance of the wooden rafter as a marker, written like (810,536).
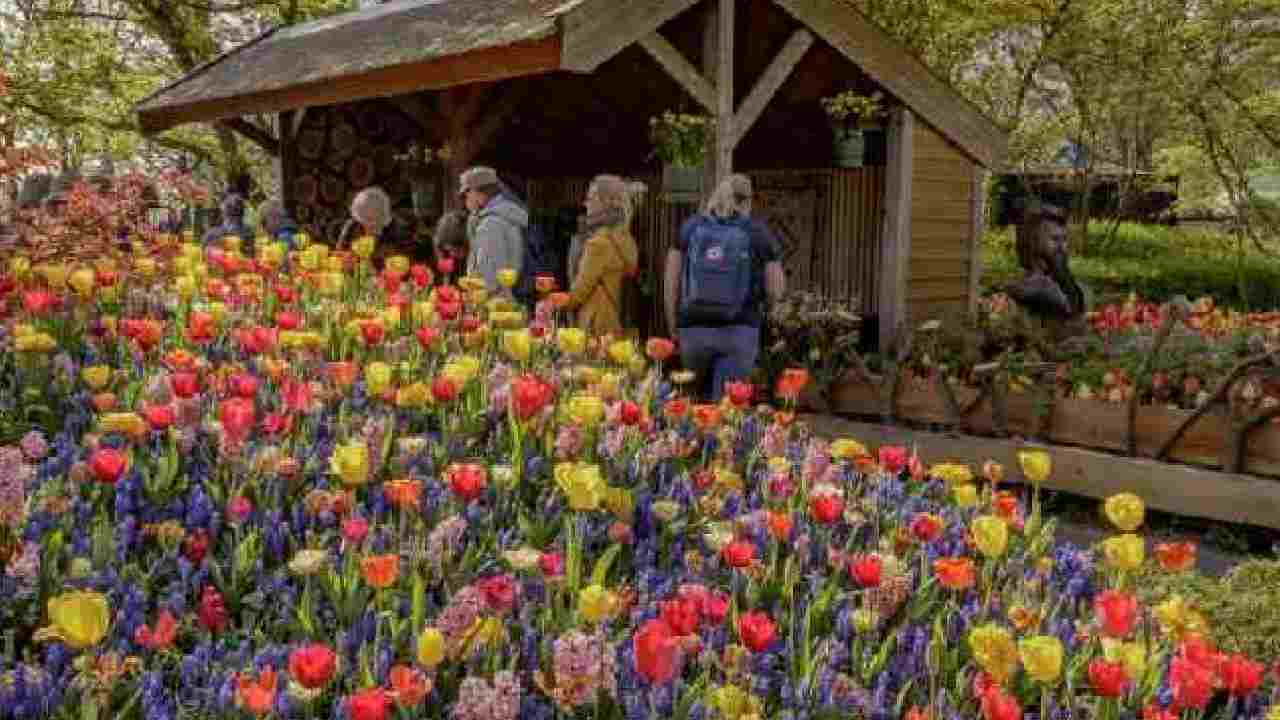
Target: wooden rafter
(431,122)
(595,32)
(771,81)
(681,70)
(259,136)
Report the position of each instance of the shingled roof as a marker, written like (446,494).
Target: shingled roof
(406,46)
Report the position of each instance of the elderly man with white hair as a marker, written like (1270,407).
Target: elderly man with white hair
(371,210)
(718,279)
(496,228)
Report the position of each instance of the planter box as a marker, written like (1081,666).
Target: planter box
(682,184)
(1080,423)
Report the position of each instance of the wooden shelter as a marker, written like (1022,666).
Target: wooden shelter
(552,92)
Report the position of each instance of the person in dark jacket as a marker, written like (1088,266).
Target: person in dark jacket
(232,207)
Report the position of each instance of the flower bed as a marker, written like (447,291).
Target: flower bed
(332,492)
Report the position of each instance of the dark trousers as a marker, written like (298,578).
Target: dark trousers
(720,354)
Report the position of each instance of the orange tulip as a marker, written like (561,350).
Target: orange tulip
(559,299)
(659,349)
(954,573)
(792,382)
(380,571)
(706,417)
(409,685)
(257,696)
(342,374)
(1176,557)
(779,525)
(402,494)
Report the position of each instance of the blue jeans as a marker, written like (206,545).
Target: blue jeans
(720,354)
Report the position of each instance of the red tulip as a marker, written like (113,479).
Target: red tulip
(681,615)
(551,564)
(792,382)
(1155,712)
(296,395)
(1191,684)
(630,414)
(445,265)
(196,546)
(159,417)
(37,302)
(421,275)
(448,311)
(756,631)
(1117,612)
(1240,676)
(717,607)
(1109,679)
(213,610)
(243,385)
(285,294)
(926,527)
(499,592)
(444,390)
(108,464)
(161,636)
(866,570)
(185,384)
(391,281)
(354,529)
(313,666)
(740,393)
(826,508)
(372,332)
(288,320)
(257,340)
(656,652)
(371,704)
(427,336)
(529,395)
(237,417)
(467,480)
(276,423)
(239,508)
(996,705)
(739,553)
(659,349)
(893,459)
(201,327)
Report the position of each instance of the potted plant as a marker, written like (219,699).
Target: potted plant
(680,140)
(851,113)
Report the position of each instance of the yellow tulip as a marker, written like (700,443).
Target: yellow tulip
(126,423)
(994,651)
(1132,654)
(1177,618)
(621,351)
(145,266)
(82,281)
(966,495)
(1124,552)
(518,345)
(952,474)
(377,376)
(991,535)
(582,484)
(1042,657)
(79,619)
(185,286)
(430,648)
(571,340)
(330,283)
(19,267)
(417,395)
(1126,511)
(423,311)
(334,264)
(620,502)
(587,375)
(508,320)
(301,241)
(586,410)
(847,449)
(363,247)
(272,254)
(471,283)
(350,462)
(507,277)
(1036,465)
(398,264)
(96,376)
(596,604)
(191,252)
(734,703)
(390,317)
(55,274)
(35,342)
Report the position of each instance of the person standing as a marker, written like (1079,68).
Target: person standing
(604,256)
(717,283)
(232,207)
(496,227)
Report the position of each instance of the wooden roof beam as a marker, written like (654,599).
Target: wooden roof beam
(681,70)
(771,81)
(259,136)
(595,32)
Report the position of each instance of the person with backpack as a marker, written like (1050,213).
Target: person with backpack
(717,283)
(496,228)
(608,260)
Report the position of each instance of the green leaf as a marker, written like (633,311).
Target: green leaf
(601,570)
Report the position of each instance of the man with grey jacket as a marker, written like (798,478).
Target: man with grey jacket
(496,227)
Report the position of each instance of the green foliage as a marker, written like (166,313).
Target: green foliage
(1243,608)
(1157,263)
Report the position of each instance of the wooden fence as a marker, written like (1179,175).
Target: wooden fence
(828,222)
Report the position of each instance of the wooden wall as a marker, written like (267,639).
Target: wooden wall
(942,237)
(828,222)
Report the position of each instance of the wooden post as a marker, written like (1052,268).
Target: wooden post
(717,62)
(978,225)
(895,238)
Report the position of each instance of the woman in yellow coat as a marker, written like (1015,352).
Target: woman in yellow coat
(604,256)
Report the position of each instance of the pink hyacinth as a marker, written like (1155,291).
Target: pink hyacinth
(14,473)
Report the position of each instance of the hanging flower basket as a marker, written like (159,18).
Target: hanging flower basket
(850,147)
(851,113)
(682,184)
(681,142)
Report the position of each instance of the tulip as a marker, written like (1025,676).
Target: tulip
(371,704)
(1240,676)
(1133,655)
(350,462)
(1042,657)
(79,619)
(893,459)
(354,529)
(107,465)
(96,376)
(1117,613)
(380,571)
(1176,557)
(582,484)
(125,423)
(1126,511)
(682,615)
(1109,679)
(991,535)
(756,631)
(656,652)
(826,507)
(926,527)
(377,377)
(162,636)
(571,341)
(997,705)
(739,553)
(994,651)
(596,604)
(586,410)
(791,382)
(1036,466)
(551,564)
(444,389)
(467,480)
(243,385)
(313,666)
(431,648)
(779,525)
(966,496)
(739,393)
(257,696)
(212,610)
(237,417)
(659,349)
(1124,552)
(867,570)
(518,345)
(159,417)
(409,686)
(184,384)
(847,449)
(1191,684)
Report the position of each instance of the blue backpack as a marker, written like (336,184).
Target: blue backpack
(540,258)
(716,278)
